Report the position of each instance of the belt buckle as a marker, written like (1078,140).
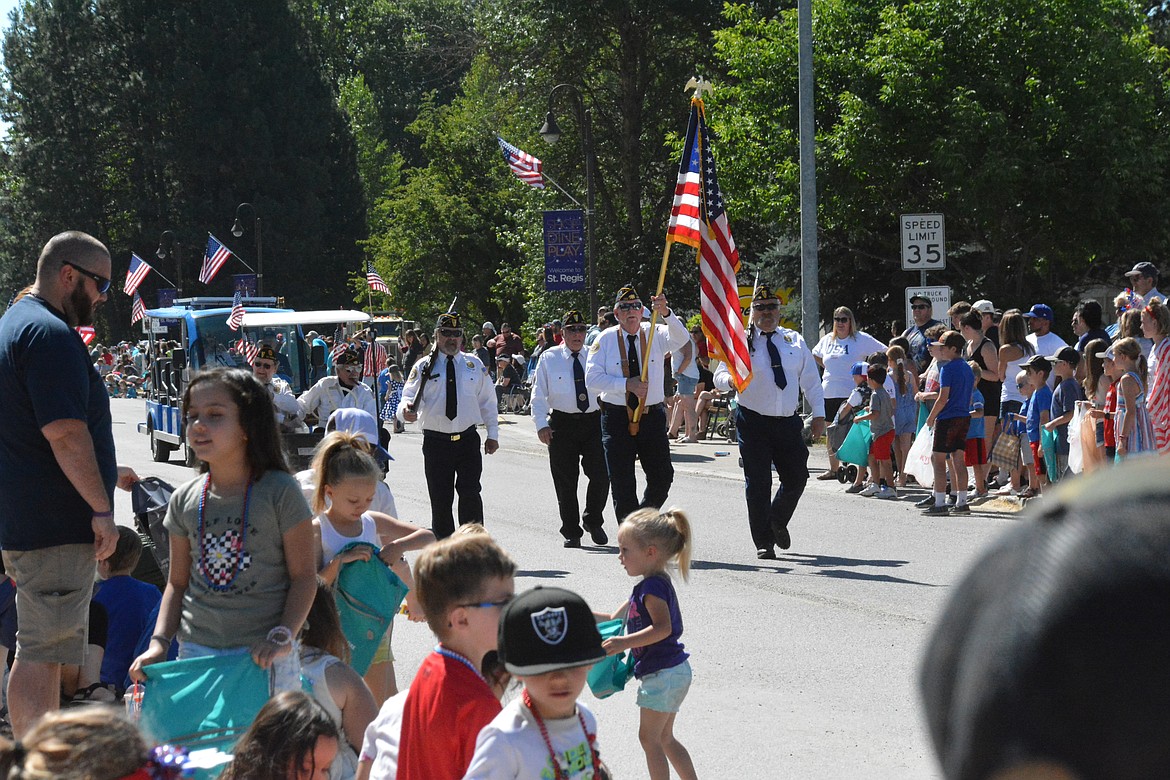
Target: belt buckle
(456,436)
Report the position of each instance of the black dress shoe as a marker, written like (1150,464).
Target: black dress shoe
(572,543)
(766,554)
(783,539)
(598,536)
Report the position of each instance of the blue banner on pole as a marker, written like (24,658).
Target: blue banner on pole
(166,299)
(564,250)
(244,284)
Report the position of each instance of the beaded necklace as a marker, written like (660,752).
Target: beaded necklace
(560,771)
(239,547)
(456,657)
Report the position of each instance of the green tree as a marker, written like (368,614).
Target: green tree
(1035,127)
(130,117)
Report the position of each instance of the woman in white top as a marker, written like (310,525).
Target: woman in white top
(836,353)
(338,688)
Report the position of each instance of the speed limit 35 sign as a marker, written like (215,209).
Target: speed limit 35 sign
(924,246)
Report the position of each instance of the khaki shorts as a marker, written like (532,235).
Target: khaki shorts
(53,590)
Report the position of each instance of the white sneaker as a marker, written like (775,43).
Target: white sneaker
(886,492)
(870,490)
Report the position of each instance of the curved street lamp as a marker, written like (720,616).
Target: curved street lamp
(238,230)
(550,131)
(168,244)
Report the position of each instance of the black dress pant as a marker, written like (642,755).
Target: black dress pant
(764,441)
(650,447)
(576,447)
(453,467)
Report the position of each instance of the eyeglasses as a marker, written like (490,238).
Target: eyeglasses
(349,367)
(630,305)
(264,366)
(103,284)
(489,604)
(451,333)
(919,306)
(840,319)
(576,328)
(765,307)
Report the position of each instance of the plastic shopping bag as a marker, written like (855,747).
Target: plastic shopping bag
(855,448)
(918,463)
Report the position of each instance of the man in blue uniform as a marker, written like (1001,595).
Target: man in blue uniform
(769,424)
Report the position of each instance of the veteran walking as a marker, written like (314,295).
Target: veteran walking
(771,431)
(568,421)
(449,392)
(614,371)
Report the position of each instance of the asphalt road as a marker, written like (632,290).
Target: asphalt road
(804,667)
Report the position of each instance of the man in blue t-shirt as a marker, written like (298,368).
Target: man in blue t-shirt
(950,418)
(57,468)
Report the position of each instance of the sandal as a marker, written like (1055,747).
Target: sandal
(826,476)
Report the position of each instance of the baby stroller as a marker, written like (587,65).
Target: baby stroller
(150,497)
(835,435)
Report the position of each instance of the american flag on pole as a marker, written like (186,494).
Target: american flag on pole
(374,280)
(236,318)
(526,167)
(217,254)
(138,270)
(138,309)
(248,349)
(87,333)
(699,219)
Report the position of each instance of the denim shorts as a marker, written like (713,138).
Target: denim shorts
(686,384)
(664,691)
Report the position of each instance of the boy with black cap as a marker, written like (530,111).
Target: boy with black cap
(1064,402)
(548,638)
(1038,370)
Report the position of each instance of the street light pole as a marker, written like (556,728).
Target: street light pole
(238,230)
(169,244)
(551,133)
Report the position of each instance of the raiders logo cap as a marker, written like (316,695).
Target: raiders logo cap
(546,629)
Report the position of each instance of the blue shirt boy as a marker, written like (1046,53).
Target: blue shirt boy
(1040,402)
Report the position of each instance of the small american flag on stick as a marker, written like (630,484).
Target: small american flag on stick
(236,318)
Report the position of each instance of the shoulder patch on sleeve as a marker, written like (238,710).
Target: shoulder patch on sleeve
(413,373)
(596,345)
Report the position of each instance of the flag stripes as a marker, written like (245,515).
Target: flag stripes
(375,281)
(138,270)
(213,259)
(526,167)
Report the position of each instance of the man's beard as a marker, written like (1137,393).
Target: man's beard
(79,307)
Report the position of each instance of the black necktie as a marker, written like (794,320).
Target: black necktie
(635,369)
(579,382)
(777,366)
(452,390)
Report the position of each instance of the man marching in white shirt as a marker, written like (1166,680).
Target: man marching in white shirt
(568,421)
(614,371)
(451,392)
(769,424)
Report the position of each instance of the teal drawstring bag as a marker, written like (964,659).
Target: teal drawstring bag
(203,703)
(855,448)
(609,676)
(1048,442)
(368,595)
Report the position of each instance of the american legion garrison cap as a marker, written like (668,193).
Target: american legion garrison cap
(764,293)
(449,320)
(628,293)
(573,317)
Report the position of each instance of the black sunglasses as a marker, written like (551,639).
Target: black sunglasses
(766,307)
(451,333)
(840,319)
(103,284)
(919,306)
(630,305)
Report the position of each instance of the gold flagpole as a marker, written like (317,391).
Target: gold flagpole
(699,86)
